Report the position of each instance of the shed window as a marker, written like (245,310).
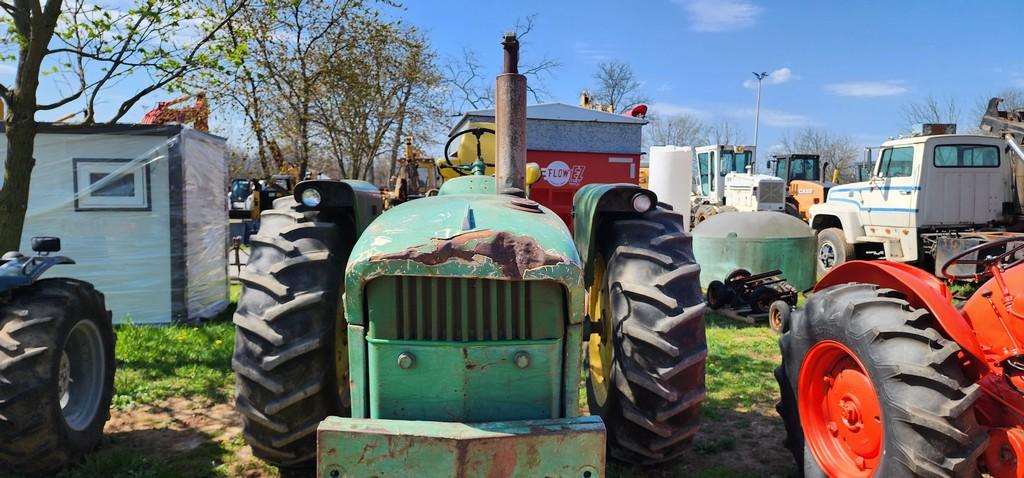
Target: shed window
(105,184)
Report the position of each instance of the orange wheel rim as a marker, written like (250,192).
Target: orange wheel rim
(839,411)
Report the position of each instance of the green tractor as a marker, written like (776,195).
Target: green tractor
(447,336)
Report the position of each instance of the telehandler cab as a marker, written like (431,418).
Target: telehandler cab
(446,336)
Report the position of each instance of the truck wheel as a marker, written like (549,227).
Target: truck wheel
(832,249)
(646,364)
(778,316)
(718,295)
(290,359)
(871,388)
(56,375)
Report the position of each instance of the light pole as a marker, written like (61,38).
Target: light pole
(757,117)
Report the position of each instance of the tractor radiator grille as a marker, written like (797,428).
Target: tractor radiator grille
(464,309)
(771,192)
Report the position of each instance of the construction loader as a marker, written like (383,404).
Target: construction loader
(447,336)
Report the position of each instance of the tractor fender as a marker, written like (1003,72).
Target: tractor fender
(362,198)
(20,271)
(594,203)
(921,289)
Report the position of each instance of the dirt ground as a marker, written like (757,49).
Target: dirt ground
(741,442)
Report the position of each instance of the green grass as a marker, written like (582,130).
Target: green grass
(155,363)
(741,362)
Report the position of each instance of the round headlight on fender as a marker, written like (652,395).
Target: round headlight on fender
(311,197)
(642,203)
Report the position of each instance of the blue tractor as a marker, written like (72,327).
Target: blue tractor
(56,363)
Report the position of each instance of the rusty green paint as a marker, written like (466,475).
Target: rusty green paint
(471,382)
(465,238)
(567,448)
(591,203)
(357,371)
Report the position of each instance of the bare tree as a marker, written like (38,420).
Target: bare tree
(617,86)
(723,132)
(836,150)
(679,130)
(158,42)
(931,110)
(470,85)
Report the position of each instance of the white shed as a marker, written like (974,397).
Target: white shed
(142,209)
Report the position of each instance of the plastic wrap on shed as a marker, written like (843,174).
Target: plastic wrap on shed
(143,212)
(756,241)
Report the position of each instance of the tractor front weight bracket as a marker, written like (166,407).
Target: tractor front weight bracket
(360,447)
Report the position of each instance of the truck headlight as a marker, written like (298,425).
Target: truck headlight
(642,203)
(311,197)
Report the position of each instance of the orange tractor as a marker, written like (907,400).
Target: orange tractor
(882,375)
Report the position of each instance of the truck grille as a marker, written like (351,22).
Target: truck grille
(463,309)
(771,192)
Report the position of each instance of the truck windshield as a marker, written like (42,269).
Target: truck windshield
(806,169)
(733,162)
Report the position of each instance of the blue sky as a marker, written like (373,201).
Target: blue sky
(845,66)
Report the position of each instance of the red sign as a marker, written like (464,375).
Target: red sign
(562,174)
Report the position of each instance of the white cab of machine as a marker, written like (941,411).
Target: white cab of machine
(922,184)
(723,178)
(755,192)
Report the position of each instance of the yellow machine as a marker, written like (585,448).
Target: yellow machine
(803,173)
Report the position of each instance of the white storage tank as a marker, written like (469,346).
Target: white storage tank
(670,176)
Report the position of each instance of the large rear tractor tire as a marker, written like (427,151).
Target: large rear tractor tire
(870,387)
(646,364)
(56,374)
(290,348)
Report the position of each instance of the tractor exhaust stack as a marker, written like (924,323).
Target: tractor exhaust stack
(510,122)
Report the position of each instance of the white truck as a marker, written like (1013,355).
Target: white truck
(723,182)
(929,196)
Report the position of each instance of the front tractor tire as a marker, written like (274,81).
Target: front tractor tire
(870,387)
(290,357)
(645,360)
(56,374)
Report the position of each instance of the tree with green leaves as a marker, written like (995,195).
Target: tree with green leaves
(156,44)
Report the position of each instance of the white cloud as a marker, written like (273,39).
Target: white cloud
(720,15)
(868,89)
(776,77)
(775,118)
(592,53)
(672,109)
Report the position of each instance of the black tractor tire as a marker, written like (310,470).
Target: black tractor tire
(719,295)
(289,336)
(779,315)
(761,299)
(703,212)
(43,326)
(793,210)
(929,426)
(832,243)
(740,273)
(659,346)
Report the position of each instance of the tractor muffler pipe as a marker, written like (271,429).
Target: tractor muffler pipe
(510,123)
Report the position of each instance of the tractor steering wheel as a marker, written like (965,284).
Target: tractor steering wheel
(477,132)
(999,260)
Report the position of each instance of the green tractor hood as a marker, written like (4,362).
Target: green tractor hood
(472,235)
